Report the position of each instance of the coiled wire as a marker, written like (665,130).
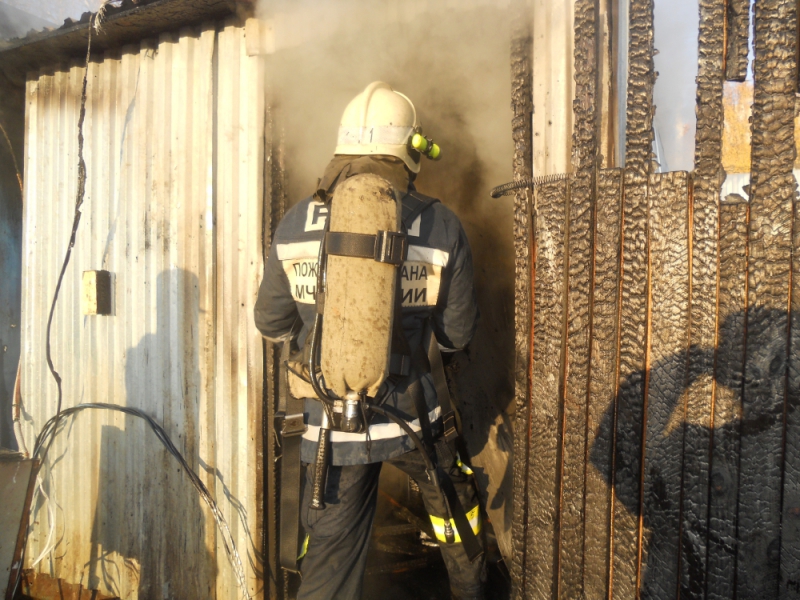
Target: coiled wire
(526,182)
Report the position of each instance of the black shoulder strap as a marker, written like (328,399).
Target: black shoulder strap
(449,428)
(401,359)
(292,426)
(434,360)
(423,204)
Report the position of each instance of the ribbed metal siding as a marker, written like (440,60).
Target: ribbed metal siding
(175,153)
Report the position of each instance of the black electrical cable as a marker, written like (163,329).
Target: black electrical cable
(429,466)
(79,196)
(75,222)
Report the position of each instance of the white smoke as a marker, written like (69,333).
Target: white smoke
(450,58)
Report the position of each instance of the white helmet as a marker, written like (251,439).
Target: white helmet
(379,121)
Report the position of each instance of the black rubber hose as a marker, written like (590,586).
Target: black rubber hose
(429,466)
(313,352)
(321,470)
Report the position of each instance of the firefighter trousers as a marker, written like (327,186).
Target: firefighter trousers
(338,536)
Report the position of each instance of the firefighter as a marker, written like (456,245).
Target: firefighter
(379,134)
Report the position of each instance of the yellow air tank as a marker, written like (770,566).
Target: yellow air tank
(359,292)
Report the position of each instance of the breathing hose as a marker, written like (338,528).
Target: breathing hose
(324,441)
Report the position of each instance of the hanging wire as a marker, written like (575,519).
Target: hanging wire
(51,428)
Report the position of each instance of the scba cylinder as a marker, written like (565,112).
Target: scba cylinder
(359,292)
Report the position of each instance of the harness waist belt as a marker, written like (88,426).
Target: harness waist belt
(386,246)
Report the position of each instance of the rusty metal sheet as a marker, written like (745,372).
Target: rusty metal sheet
(633,309)
(641,79)
(124,23)
(579,250)
(43,587)
(580,256)
(585,108)
(16,485)
(790,511)
(703,298)
(630,397)
(179,225)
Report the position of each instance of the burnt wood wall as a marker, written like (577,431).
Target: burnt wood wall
(657,450)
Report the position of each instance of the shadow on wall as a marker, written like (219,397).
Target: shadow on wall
(149,521)
(729,534)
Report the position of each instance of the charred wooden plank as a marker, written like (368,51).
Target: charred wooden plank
(275,199)
(522,133)
(579,259)
(790,524)
(547,390)
(770,247)
(728,374)
(630,398)
(634,305)
(573,464)
(738,33)
(668,201)
(603,382)
(703,301)
(641,79)
(607,130)
(584,137)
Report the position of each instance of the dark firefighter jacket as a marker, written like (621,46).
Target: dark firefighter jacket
(437,283)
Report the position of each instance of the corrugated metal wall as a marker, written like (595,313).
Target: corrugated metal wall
(174,149)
